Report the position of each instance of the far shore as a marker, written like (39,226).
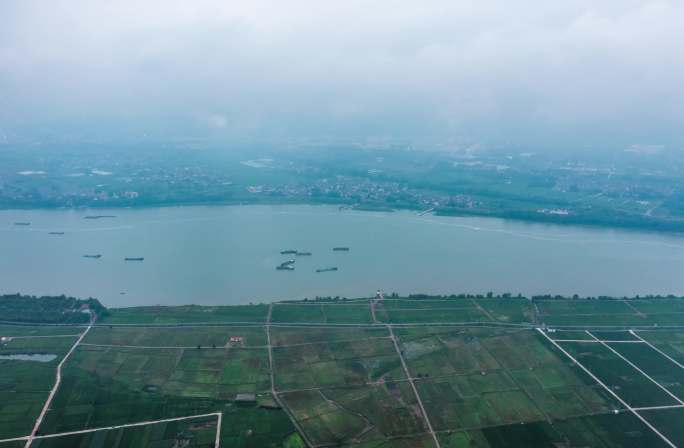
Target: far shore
(674,229)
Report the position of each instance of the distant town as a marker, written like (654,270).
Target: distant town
(638,190)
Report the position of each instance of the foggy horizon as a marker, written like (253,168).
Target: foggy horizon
(549,76)
(307,224)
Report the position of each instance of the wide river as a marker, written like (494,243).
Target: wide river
(228,255)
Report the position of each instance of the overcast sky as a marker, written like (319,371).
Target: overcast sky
(554,74)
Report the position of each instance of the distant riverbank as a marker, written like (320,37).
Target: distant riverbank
(228,254)
(601,221)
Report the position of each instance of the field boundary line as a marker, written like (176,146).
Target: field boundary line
(413,386)
(17,323)
(274,392)
(340,341)
(223,347)
(676,398)
(589,341)
(179,347)
(58,380)
(137,424)
(15,439)
(482,310)
(217,443)
(657,408)
(485,324)
(608,389)
(352,324)
(657,349)
(45,336)
(592,314)
(633,308)
(372,304)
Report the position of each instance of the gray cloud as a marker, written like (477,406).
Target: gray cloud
(547,74)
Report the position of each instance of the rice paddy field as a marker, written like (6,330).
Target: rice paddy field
(384,372)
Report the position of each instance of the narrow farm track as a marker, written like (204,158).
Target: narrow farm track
(674,361)
(347,332)
(58,380)
(46,336)
(413,386)
(219,416)
(608,389)
(271,373)
(634,366)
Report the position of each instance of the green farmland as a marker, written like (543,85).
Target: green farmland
(469,371)
(192,433)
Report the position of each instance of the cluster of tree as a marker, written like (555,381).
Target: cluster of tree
(489,295)
(319,299)
(577,297)
(48,309)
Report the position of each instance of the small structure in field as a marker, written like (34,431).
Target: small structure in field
(245,398)
(236,340)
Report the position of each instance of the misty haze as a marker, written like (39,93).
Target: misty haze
(341,224)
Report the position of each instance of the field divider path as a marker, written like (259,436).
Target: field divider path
(45,336)
(14,439)
(480,324)
(271,373)
(58,380)
(608,389)
(633,333)
(658,408)
(217,442)
(303,344)
(222,347)
(673,396)
(130,425)
(636,311)
(169,347)
(590,341)
(373,303)
(413,386)
(481,309)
